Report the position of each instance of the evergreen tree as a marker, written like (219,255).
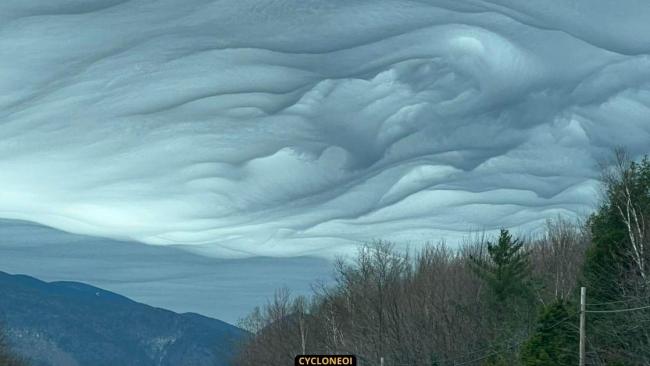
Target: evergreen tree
(507,273)
(506,270)
(617,265)
(555,340)
(612,261)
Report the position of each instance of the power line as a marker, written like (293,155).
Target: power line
(494,351)
(618,310)
(474,352)
(478,359)
(636,299)
(501,347)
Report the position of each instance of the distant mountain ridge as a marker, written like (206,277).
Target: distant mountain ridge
(75,324)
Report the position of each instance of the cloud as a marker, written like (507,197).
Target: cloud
(287,127)
(164,276)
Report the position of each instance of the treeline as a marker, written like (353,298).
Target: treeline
(491,301)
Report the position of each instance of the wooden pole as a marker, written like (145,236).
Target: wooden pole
(583,308)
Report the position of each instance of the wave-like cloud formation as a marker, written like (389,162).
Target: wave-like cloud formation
(284,127)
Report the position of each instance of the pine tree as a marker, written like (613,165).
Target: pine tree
(617,265)
(619,232)
(506,270)
(507,273)
(555,339)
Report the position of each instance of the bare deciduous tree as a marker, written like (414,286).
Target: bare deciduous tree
(420,309)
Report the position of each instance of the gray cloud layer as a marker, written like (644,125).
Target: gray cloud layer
(167,277)
(285,127)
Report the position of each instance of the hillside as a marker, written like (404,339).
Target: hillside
(71,323)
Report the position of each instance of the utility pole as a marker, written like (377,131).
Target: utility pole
(583,308)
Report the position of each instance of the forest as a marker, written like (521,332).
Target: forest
(509,299)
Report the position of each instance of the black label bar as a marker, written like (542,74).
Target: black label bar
(322,360)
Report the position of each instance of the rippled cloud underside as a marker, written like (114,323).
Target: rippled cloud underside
(286,127)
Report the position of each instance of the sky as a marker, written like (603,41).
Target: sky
(236,129)
(161,276)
